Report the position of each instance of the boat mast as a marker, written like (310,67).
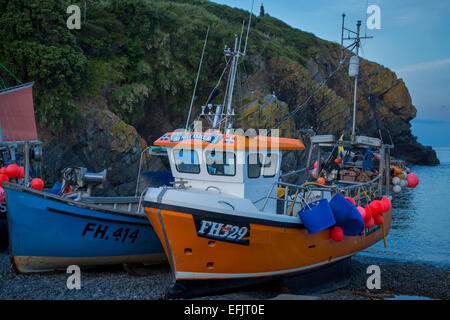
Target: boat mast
(233,72)
(354,60)
(358,25)
(196,80)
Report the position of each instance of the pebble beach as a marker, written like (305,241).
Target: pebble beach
(399,280)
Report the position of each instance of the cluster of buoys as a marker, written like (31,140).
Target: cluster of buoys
(402,179)
(15,171)
(372,214)
(12,171)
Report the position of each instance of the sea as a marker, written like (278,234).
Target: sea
(420,229)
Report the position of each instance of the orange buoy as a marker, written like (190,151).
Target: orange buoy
(338,160)
(12,170)
(397,171)
(336,233)
(37,184)
(413,180)
(321,180)
(351,200)
(3,178)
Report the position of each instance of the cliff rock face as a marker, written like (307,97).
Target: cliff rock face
(102,141)
(384,107)
(264,113)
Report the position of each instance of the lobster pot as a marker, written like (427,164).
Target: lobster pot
(353,68)
(317,216)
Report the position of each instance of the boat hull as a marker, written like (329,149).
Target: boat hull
(270,251)
(3,226)
(48,233)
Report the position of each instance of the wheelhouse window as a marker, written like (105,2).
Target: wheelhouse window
(270,165)
(219,163)
(254,165)
(267,163)
(186,161)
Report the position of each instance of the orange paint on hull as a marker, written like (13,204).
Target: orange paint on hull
(272,251)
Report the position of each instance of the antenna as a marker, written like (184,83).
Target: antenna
(354,70)
(248,27)
(196,81)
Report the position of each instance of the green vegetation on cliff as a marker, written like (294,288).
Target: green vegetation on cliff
(135,54)
(139,59)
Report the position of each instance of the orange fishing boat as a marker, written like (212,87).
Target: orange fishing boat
(229,220)
(222,226)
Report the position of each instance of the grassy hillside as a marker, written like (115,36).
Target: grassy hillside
(137,55)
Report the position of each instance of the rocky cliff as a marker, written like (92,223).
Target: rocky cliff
(101,141)
(384,106)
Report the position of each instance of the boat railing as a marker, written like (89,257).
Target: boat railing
(293,194)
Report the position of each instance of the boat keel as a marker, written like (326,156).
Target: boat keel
(319,280)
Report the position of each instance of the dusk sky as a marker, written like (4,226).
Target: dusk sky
(413,41)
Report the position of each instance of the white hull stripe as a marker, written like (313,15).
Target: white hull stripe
(181,275)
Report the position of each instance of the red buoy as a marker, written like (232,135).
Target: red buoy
(413,180)
(12,170)
(21,173)
(369,223)
(336,233)
(386,202)
(2,170)
(338,160)
(351,200)
(362,211)
(376,207)
(315,165)
(2,194)
(3,178)
(378,219)
(368,213)
(37,184)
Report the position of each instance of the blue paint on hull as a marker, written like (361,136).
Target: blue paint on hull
(3,226)
(43,227)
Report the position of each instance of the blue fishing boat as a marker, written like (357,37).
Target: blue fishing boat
(19,144)
(49,232)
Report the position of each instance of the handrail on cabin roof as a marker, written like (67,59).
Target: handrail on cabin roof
(20,86)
